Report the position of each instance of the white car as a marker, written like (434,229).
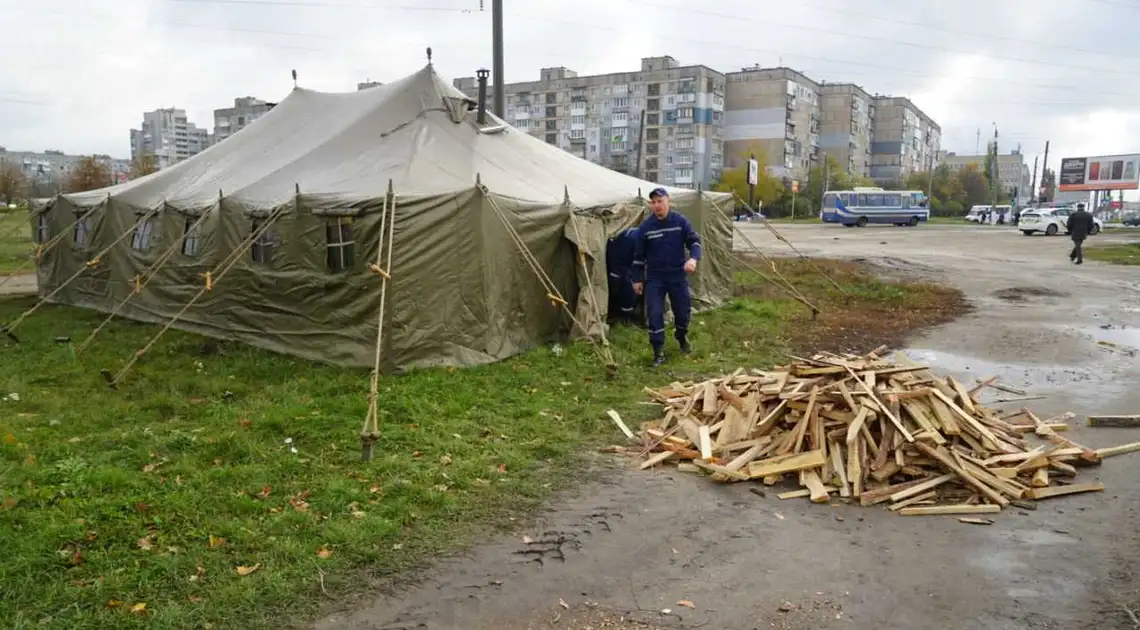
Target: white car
(1051,221)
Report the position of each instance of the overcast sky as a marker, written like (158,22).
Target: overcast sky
(77,74)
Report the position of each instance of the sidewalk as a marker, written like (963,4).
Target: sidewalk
(24,284)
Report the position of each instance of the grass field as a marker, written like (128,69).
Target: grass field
(1122,254)
(15,241)
(221,486)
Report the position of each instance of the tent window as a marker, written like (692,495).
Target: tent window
(43,231)
(141,239)
(262,250)
(192,238)
(83,232)
(341,248)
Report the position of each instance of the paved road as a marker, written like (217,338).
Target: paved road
(24,284)
(645,541)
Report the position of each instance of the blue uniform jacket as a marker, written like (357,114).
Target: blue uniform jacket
(660,253)
(619,254)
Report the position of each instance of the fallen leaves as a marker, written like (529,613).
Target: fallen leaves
(244,571)
(10,439)
(199,574)
(687,604)
(139,608)
(324,553)
(245,423)
(153,466)
(298,501)
(445,460)
(145,543)
(10,502)
(216,541)
(76,558)
(355,511)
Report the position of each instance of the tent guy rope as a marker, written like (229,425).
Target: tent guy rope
(370,432)
(552,291)
(94,262)
(212,278)
(141,284)
(610,363)
(780,237)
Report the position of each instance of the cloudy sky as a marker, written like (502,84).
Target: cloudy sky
(77,74)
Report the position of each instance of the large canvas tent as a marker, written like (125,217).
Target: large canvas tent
(296,203)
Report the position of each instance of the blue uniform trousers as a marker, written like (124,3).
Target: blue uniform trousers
(679,298)
(622,298)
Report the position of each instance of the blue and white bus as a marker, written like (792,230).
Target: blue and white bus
(874,205)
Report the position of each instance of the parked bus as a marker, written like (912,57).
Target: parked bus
(861,206)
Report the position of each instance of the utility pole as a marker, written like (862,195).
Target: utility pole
(995,180)
(1033,182)
(930,183)
(497,54)
(1044,168)
(640,144)
(978,142)
(753,175)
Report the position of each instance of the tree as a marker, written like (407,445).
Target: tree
(974,186)
(13,183)
(143,165)
(768,190)
(88,174)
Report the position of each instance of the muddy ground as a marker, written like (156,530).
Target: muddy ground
(622,551)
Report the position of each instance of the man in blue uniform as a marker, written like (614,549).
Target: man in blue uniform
(619,265)
(660,266)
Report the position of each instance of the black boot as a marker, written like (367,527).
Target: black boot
(658,357)
(684,342)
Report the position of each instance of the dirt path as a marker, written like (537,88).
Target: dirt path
(624,550)
(20,285)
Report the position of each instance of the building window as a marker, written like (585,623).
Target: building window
(653,104)
(621,102)
(685,112)
(551,97)
(83,232)
(341,248)
(651,148)
(578,134)
(551,112)
(263,245)
(140,241)
(651,164)
(653,119)
(654,90)
(552,125)
(191,237)
(621,116)
(43,230)
(651,134)
(651,176)
(552,138)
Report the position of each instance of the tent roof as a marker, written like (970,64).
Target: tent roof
(416,132)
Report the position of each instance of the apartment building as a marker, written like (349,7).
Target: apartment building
(168,136)
(364,85)
(846,115)
(1012,169)
(904,140)
(662,123)
(774,112)
(46,171)
(230,120)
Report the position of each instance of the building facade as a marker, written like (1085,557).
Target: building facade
(47,171)
(230,120)
(364,85)
(1012,170)
(775,113)
(904,140)
(168,136)
(662,123)
(846,115)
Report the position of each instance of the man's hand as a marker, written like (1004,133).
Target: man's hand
(690,265)
(638,287)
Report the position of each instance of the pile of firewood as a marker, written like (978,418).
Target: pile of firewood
(870,428)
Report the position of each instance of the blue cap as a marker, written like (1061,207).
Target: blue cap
(658,192)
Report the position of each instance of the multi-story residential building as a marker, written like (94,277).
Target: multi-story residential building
(230,120)
(904,140)
(662,123)
(776,112)
(47,171)
(364,85)
(845,116)
(168,136)
(1012,169)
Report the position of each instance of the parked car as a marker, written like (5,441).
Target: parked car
(1132,221)
(1050,221)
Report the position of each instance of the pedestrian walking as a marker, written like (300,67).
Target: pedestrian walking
(619,264)
(1079,225)
(660,269)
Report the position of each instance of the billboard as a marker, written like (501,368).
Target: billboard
(1104,172)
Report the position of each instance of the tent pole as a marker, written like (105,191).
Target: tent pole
(212,278)
(140,284)
(91,264)
(370,433)
(607,355)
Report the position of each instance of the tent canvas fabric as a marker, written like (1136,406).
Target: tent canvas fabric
(320,169)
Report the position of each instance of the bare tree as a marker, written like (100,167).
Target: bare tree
(13,183)
(88,174)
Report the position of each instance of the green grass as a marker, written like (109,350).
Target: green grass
(213,456)
(15,240)
(1123,254)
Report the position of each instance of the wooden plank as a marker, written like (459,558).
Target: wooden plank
(937,510)
(765,426)
(1130,422)
(1040,478)
(976,521)
(886,471)
(815,485)
(744,458)
(944,457)
(1118,450)
(945,417)
(926,486)
(704,442)
(926,496)
(786,464)
(840,469)
(720,473)
(972,422)
(1059,491)
(620,425)
(882,407)
(688,467)
(857,424)
(656,459)
(963,395)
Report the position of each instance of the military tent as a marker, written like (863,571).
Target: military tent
(290,210)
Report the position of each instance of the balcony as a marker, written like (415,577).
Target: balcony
(792,102)
(790,132)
